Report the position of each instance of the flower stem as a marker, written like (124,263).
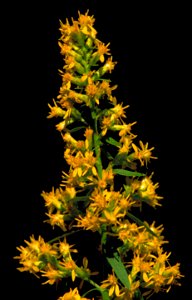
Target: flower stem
(96,140)
(104,293)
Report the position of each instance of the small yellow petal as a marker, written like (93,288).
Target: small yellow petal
(111,290)
(145,277)
(73,275)
(117,290)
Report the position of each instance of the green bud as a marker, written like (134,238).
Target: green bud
(89,42)
(79,68)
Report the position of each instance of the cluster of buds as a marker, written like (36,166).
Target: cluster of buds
(102,186)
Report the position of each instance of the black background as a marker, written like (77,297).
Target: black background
(150,42)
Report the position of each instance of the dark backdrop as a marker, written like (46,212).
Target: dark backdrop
(150,42)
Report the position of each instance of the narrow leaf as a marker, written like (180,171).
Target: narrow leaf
(76,128)
(127,173)
(113,142)
(119,269)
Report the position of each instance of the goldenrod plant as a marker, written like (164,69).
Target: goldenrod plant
(103,189)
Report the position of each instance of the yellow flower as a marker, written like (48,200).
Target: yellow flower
(72,295)
(56,219)
(69,63)
(66,77)
(143,154)
(28,260)
(147,190)
(91,90)
(86,23)
(128,230)
(108,66)
(98,199)
(112,217)
(67,137)
(123,129)
(126,141)
(65,30)
(106,124)
(86,20)
(70,266)
(106,179)
(101,50)
(140,263)
(56,111)
(105,88)
(129,294)
(89,222)
(52,199)
(61,126)
(172,273)
(81,163)
(119,111)
(66,249)
(111,283)
(53,274)
(30,265)
(35,245)
(89,138)
(65,48)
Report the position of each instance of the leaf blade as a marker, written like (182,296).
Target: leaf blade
(119,269)
(113,142)
(127,173)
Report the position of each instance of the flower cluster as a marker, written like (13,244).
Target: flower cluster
(102,189)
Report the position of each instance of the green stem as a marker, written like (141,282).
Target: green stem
(104,292)
(96,140)
(63,235)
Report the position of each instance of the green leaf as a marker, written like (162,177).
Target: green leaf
(127,173)
(105,295)
(76,128)
(113,142)
(119,269)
